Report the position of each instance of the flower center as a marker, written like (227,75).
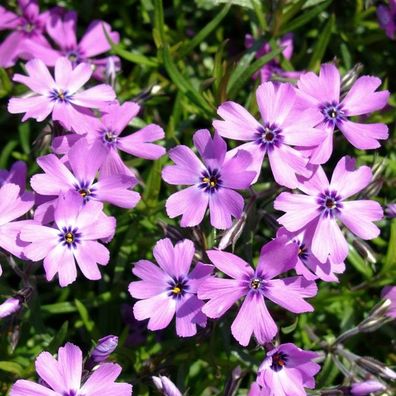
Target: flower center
(255,283)
(330,203)
(279,361)
(73,56)
(85,190)
(333,113)
(60,96)
(69,237)
(268,136)
(109,138)
(177,287)
(302,251)
(210,180)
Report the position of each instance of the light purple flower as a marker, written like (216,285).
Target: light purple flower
(13,205)
(84,162)
(26,25)
(212,182)
(62,28)
(63,377)
(72,238)
(273,67)
(389,293)
(287,370)
(61,96)
(103,349)
(366,388)
(170,289)
(16,174)
(282,126)
(256,285)
(327,202)
(323,93)
(10,306)
(387,18)
(255,390)
(166,386)
(307,264)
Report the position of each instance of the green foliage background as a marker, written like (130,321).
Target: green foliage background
(181,59)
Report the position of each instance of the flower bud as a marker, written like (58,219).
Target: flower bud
(14,304)
(166,386)
(104,348)
(366,387)
(390,211)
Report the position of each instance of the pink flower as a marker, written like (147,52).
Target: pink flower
(327,203)
(60,96)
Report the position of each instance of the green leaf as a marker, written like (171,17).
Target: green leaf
(153,185)
(236,85)
(5,154)
(58,338)
(24,137)
(289,329)
(133,57)
(359,263)
(11,367)
(5,83)
(390,259)
(159,24)
(321,44)
(83,311)
(203,33)
(304,18)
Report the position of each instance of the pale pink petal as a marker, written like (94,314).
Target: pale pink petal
(28,388)
(61,26)
(330,82)
(315,184)
(48,369)
(322,152)
(88,255)
(63,73)
(183,255)
(79,76)
(212,150)
(95,97)
(116,117)
(70,365)
(230,264)
(37,107)
(234,173)
(223,205)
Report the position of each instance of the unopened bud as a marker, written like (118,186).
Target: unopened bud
(14,304)
(375,367)
(390,211)
(350,77)
(366,388)
(166,386)
(104,348)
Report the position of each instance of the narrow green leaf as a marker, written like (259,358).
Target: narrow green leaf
(5,154)
(83,311)
(58,338)
(359,263)
(304,18)
(5,83)
(24,137)
(390,259)
(153,185)
(203,33)
(133,57)
(321,44)
(236,86)
(11,367)
(159,24)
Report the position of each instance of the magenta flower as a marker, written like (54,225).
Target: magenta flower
(63,377)
(212,182)
(13,205)
(307,264)
(389,293)
(256,285)
(323,92)
(282,126)
(16,174)
(387,18)
(62,28)
(287,370)
(60,96)
(85,162)
(327,203)
(74,237)
(27,25)
(273,68)
(170,289)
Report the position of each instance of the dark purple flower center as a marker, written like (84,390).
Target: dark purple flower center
(279,360)
(210,180)
(330,203)
(58,95)
(85,190)
(333,113)
(69,237)
(74,56)
(70,393)
(302,251)
(255,283)
(177,287)
(268,136)
(109,138)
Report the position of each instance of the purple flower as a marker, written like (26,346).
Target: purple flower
(61,27)
(166,386)
(170,289)
(307,264)
(323,92)
(366,388)
(286,370)
(387,18)
(84,162)
(63,377)
(390,211)
(72,238)
(103,349)
(13,205)
(27,25)
(60,96)
(255,390)
(327,203)
(16,174)
(10,306)
(273,67)
(212,182)
(256,285)
(389,293)
(282,126)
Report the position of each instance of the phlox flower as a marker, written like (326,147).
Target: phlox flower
(286,370)
(84,162)
(170,289)
(26,25)
(16,174)
(323,92)
(387,18)
(62,28)
(166,386)
(13,205)
(256,285)
(282,126)
(212,182)
(327,202)
(64,377)
(74,237)
(273,67)
(61,96)
(307,264)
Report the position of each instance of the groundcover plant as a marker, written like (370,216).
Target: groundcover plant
(197,197)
